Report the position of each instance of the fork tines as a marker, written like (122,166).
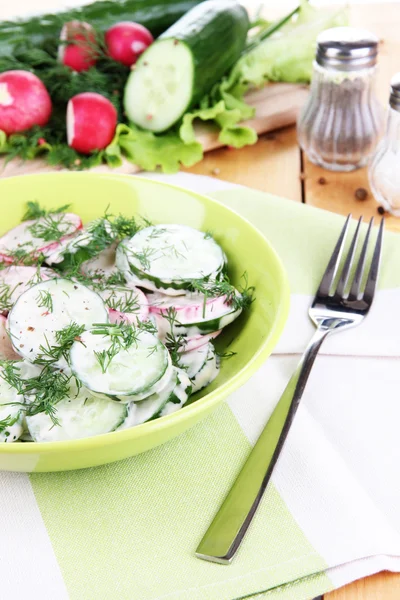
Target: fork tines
(332,269)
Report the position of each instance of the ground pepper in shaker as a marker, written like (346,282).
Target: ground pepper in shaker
(384,170)
(342,120)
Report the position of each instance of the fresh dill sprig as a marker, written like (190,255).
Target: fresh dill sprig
(174,343)
(122,337)
(10,372)
(156,233)
(123,227)
(64,339)
(24,254)
(6,293)
(9,422)
(123,300)
(143,256)
(45,391)
(215,288)
(104,357)
(35,211)
(50,228)
(45,299)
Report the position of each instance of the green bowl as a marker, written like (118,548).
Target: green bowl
(253,336)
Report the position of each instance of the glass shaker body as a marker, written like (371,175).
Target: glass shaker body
(384,170)
(342,120)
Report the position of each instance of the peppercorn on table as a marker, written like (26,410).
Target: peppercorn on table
(276,165)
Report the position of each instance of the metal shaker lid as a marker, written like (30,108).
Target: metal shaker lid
(394,99)
(347,49)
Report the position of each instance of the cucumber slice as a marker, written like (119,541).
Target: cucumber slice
(202,366)
(171,398)
(140,412)
(47,308)
(132,370)
(157,388)
(171,256)
(11,412)
(161,91)
(79,416)
(193,361)
(208,372)
(179,397)
(176,71)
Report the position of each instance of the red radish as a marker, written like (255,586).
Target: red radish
(22,238)
(114,296)
(191,343)
(24,101)
(7,351)
(91,122)
(126,41)
(79,51)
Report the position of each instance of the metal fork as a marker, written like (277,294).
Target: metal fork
(333,309)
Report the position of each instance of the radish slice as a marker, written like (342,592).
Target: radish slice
(191,308)
(126,304)
(126,41)
(7,351)
(15,280)
(24,101)
(191,343)
(80,54)
(34,237)
(195,314)
(91,122)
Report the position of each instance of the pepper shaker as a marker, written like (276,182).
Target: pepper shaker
(384,170)
(342,121)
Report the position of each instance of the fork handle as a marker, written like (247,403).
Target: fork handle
(230,525)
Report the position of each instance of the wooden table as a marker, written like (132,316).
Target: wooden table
(276,165)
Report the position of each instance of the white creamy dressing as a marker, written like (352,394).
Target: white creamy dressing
(8,395)
(32,326)
(103,263)
(174,253)
(131,371)
(81,415)
(21,236)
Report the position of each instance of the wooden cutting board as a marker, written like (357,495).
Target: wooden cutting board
(277,105)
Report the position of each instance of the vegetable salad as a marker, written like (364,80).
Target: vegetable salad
(108,325)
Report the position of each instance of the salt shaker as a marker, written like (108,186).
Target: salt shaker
(384,170)
(342,121)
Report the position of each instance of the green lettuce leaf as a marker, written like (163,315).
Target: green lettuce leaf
(227,120)
(285,56)
(149,151)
